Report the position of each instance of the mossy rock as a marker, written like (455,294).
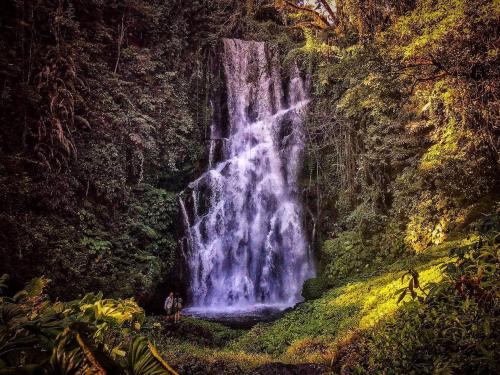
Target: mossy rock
(204,332)
(314,288)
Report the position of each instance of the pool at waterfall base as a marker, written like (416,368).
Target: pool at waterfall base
(239,316)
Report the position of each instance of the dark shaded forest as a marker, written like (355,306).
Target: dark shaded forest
(104,119)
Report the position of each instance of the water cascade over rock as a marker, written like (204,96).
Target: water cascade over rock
(243,219)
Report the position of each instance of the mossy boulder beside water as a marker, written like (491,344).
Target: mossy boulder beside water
(314,288)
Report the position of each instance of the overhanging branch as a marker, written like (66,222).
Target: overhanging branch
(329,9)
(322,20)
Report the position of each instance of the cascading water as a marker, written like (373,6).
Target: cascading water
(246,242)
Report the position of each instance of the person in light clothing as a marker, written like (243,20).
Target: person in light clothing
(168,306)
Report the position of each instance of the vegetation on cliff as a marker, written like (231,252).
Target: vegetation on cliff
(99,132)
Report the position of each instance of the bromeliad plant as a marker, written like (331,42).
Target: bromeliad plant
(90,335)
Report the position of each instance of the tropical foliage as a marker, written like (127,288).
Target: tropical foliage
(105,109)
(89,335)
(98,131)
(399,158)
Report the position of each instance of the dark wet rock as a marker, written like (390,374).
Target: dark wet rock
(287,369)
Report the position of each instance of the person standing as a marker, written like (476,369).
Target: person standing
(177,308)
(168,306)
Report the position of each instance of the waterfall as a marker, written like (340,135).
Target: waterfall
(245,235)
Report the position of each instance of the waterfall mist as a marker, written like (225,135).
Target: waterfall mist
(246,242)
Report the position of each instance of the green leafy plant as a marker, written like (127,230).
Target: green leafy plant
(89,335)
(144,359)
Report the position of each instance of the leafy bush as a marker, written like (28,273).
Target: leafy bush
(346,255)
(455,329)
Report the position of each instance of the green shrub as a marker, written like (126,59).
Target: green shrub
(346,255)
(456,328)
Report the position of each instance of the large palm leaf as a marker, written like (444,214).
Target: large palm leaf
(144,359)
(75,354)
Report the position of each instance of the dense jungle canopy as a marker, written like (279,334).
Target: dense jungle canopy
(105,116)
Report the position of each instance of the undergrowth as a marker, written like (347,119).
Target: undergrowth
(315,331)
(436,312)
(452,330)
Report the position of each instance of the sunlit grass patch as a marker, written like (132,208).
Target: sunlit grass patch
(311,349)
(192,358)
(310,331)
(380,301)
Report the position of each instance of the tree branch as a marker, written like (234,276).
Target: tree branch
(329,9)
(319,17)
